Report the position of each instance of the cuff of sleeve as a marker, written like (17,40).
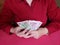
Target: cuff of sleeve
(50,29)
(7,29)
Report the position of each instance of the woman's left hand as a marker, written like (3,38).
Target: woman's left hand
(35,33)
(39,33)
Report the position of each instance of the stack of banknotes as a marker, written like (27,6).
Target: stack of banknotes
(30,24)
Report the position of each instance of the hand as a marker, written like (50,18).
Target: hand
(20,32)
(25,33)
(15,30)
(39,33)
(35,34)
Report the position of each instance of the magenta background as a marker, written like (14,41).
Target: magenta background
(53,39)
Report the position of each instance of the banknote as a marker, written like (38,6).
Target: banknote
(30,24)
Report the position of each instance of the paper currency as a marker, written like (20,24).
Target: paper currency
(30,24)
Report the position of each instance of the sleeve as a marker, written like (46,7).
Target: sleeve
(6,18)
(53,14)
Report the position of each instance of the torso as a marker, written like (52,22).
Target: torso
(22,11)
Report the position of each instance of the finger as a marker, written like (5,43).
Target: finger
(20,34)
(28,36)
(37,37)
(28,33)
(21,30)
(18,30)
(23,35)
(25,31)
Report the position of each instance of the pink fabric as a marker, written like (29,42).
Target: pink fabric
(53,39)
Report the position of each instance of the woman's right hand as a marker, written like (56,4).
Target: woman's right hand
(21,32)
(15,30)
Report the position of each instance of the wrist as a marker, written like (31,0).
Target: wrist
(46,31)
(43,31)
(12,30)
